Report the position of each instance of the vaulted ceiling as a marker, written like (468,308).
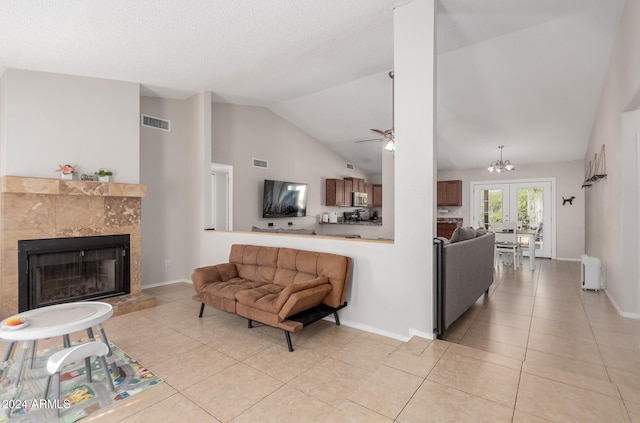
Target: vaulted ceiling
(523,73)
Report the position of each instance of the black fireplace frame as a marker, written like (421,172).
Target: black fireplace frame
(29,248)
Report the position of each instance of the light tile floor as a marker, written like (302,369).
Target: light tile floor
(537,349)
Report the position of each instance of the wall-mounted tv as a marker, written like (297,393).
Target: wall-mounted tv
(284,199)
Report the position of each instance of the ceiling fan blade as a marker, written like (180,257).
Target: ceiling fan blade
(377,131)
(370,140)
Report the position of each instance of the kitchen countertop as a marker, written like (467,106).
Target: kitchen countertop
(449,220)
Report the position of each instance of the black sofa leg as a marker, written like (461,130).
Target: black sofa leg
(249,323)
(335,316)
(201,309)
(288,336)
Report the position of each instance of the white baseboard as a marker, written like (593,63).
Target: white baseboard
(420,334)
(166,283)
(619,310)
(370,329)
(567,259)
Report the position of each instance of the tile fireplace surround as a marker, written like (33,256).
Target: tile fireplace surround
(38,208)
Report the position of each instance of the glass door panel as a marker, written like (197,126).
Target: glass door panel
(527,202)
(532,200)
(492,204)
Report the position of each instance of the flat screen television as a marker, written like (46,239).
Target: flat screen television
(284,199)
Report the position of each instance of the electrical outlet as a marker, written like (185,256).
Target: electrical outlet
(166,264)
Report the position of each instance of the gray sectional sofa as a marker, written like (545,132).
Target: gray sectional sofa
(463,270)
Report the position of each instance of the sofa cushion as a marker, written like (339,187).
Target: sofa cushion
(264,297)
(303,300)
(203,276)
(297,231)
(480,232)
(254,262)
(444,240)
(230,288)
(271,297)
(462,234)
(285,231)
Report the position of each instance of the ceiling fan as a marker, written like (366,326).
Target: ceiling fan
(388,135)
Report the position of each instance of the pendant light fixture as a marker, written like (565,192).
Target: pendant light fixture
(500,165)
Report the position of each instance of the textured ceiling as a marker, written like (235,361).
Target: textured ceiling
(523,73)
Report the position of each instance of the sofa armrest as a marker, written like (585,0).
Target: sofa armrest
(303,300)
(203,276)
(291,289)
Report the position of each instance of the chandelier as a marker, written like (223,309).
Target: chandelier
(500,165)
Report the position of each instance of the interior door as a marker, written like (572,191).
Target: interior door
(526,202)
(221,197)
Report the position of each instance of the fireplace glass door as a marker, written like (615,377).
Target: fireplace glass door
(73,269)
(73,276)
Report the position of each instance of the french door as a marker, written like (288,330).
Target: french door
(526,202)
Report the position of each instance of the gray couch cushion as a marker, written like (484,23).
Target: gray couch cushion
(463,234)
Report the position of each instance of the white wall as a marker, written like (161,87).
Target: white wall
(609,233)
(630,159)
(570,220)
(57,119)
(3,126)
(163,209)
(242,133)
(391,288)
(197,162)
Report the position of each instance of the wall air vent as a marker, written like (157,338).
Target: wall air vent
(156,123)
(350,166)
(260,163)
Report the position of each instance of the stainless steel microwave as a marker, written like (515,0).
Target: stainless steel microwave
(359,199)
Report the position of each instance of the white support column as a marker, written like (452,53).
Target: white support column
(415,164)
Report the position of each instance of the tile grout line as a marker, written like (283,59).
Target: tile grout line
(604,364)
(526,348)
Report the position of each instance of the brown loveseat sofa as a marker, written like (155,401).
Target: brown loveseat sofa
(280,287)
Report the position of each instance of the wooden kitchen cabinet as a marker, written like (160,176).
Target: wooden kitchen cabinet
(334,192)
(449,193)
(446,229)
(338,192)
(368,188)
(377,195)
(348,189)
(358,184)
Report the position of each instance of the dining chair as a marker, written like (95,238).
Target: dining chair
(507,242)
(524,241)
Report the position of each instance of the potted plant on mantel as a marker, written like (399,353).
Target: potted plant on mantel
(67,171)
(103,175)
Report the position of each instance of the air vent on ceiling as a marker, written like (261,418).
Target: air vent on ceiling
(350,166)
(156,123)
(260,163)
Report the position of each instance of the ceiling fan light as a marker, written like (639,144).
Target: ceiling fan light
(508,165)
(390,146)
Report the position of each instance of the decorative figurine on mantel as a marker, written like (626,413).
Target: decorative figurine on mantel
(67,171)
(103,175)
